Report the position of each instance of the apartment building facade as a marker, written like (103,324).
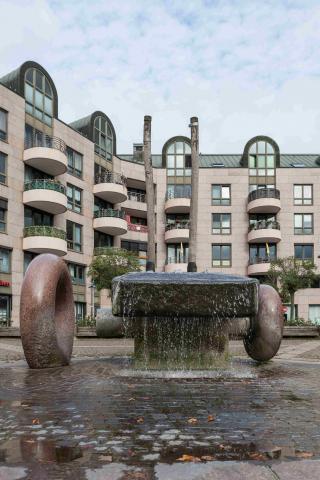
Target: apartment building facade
(65,189)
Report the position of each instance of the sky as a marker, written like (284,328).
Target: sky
(244,67)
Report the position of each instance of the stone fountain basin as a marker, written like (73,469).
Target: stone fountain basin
(184,295)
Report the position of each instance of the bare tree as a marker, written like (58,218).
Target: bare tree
(192,260)
(151,252)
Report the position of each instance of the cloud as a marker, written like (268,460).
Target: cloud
(244,67)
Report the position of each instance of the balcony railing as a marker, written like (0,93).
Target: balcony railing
(45,184)
(183,193)
(263,193)
(135,227)
(44,231)
(178,225)
(265,259)
(178,259)
(265,224)
(111,177)
(137,197)
(109,212)
(43,140)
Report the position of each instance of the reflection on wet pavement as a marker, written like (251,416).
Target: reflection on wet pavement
(98,419)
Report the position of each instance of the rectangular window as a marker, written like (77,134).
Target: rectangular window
(3,124)
(5,310)
(303,251)
(3,168)
(221,223)
(74,236)
(27,259)
(177,253)
(102,240)
(74,196)
(75,162)
(3,215)
(5,260)
(303,194)
(34,217)
(303,223)
(221,255)
(80,311)
(314,314)
(221,195)
(262,253)
(77,273)
(139,248)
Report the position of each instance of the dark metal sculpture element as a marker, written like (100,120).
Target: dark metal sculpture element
(47,317)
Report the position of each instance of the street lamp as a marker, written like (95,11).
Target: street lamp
(92,286)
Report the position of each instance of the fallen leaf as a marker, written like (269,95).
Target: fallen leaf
(188,458)
(304,454)
(192,421)
(140,420)
(36,421)
(207,458)
(131,399)
(211,418)
(105,458)
(256,456)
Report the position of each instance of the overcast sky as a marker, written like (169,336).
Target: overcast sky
(243,67)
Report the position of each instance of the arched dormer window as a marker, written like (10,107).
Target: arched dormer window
(103,138)
(261,159)
(178,158)
(38,96)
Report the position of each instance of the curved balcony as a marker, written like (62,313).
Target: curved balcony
(264,232)
(176,264)
(264,200)
(136,232)
(178,202)
(46,153)
(47,195)
(111,187)
(44,239)
(136,204)
(110,221)
(177,232)
(259,265)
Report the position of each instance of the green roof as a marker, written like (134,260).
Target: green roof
(233,160)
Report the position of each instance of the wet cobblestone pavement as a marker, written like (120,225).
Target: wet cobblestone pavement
(98,420)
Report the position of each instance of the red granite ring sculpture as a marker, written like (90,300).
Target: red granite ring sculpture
(47,317)
(265,334)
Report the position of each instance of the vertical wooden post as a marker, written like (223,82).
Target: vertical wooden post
(151,252)
(192,260)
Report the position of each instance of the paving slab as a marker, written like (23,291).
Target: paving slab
(301,470)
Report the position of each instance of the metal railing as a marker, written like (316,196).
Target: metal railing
(111,177)
(181,193)
(265,224)
(178,259)
(137,197)
(109,212)
(135,227)
(42,140)
(45,184)
(264,193)
(44,231)
(178,225)
(265,259)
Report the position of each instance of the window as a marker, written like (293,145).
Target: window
(75,162)
(77,273)
(314,314)
(33,217)
(102,240)
(27,259)
(100,204)
(103,138)
(74,196)
(3,168)
(3,124)
(303,223)
(178,191)
(3,215)
(80,311)
(303,194)
(221,195)
(177,253)
(262,252)
(262,220)
(140,248)
(5,310)
(303,252)
(221,255)
(261,160)
(179,159)
(38,95)
(74,236)
(221,223)
(5,260)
